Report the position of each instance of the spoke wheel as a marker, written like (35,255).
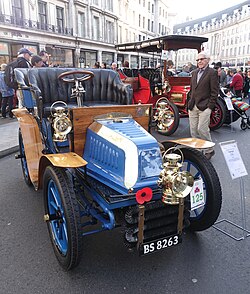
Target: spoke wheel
(23,160)
(218,115)
(64,216)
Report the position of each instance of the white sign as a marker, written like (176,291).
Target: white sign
(233,159)
(164,54)
(197,195)
(229,103)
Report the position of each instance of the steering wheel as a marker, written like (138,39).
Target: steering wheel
(86,75)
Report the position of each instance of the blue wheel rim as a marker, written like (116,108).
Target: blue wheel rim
(59,225)
(24,161)
(197,174)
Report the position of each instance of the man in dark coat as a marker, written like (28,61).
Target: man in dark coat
(23,58)
(204,90)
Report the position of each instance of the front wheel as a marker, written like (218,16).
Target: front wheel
(201,168)
(218,115)
(166,116)
(63,216)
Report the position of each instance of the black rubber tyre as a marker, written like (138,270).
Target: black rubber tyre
(176,120)
(199,166)
(64,226)
(23,160)
(218,115)
(243,125)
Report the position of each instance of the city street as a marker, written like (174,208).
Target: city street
(208,262)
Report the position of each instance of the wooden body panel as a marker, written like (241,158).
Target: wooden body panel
(84,116)
(32,142)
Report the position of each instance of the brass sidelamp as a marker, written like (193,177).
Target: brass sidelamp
(176,184)
(60,121)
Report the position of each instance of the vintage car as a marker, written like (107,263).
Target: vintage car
(168,94)
(89,149)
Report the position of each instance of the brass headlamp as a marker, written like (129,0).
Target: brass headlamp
(60,121)
(163,115)
(175,184)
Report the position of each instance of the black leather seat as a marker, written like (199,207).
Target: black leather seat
(104,88)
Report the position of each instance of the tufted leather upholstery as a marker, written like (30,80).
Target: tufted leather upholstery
(105,88)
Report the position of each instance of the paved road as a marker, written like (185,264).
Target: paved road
(208,262)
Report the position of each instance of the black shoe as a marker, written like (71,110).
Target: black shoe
(209,155)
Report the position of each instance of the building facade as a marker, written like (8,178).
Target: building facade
(228,32)
(80,32)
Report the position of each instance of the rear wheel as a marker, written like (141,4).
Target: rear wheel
(218,115)
(23,160)
(63,216)
(201,168)
(167,117)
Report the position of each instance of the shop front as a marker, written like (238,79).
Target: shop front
(108,58)
(87,58)
(9,50)
(60,57)
(134,61)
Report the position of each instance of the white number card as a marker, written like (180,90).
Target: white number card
(197,195)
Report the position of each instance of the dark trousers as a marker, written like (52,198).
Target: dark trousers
(7,100)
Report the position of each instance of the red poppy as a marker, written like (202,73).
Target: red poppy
(144,195)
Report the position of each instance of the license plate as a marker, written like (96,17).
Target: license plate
(157,245)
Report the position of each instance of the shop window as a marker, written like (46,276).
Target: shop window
(4,53)
(108,58)
(60,57)
(91,58)
(134,62)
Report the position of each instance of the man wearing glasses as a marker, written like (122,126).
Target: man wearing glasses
(204,88)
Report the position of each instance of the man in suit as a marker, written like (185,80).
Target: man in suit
(204,90)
